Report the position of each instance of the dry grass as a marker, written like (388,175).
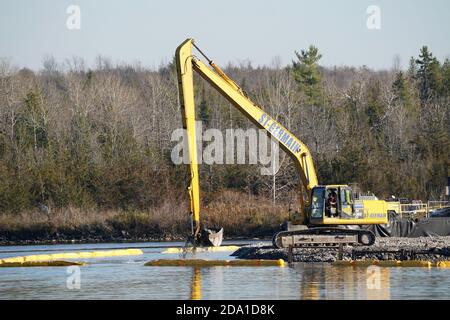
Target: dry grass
(243,215)
(239,214)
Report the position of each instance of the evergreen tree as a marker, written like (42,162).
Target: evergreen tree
(31,121)
(307,75)
(428,74)
(401,90)
(89,78)
(446,79)
(204,109)
(375,107)
(412,69)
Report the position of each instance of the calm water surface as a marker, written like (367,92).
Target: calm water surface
(127,278)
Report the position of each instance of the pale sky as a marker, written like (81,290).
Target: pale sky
(228,31)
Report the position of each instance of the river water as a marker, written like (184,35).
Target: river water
(128,278)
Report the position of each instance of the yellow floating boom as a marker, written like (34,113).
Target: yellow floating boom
(393,263)
(201,249)
(73,255)
(416,263)
(40,264)
(213,263)
(443,264)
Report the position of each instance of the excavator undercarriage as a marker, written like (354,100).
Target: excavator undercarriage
(323,236)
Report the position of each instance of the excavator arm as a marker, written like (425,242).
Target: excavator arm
(294,147)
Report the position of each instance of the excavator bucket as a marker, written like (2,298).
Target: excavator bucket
(211,238)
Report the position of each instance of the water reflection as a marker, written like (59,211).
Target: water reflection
(310,284)
(196,285)
(127,278)
(313,282)
(322,281)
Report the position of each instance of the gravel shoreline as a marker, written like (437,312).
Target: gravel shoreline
(423,248)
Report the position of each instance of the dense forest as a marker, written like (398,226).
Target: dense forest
(98,140)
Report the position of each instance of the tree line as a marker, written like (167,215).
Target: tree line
(100,138)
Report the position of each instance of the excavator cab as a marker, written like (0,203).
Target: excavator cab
(336,205)
(331,202)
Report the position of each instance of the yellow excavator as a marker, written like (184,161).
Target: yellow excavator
(328,215)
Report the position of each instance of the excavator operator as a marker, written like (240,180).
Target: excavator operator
(331,205)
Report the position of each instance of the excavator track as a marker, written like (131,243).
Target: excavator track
(323,237)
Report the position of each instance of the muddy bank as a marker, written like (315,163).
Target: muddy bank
(118,228)
(117,237)
(425,248)
(93,239)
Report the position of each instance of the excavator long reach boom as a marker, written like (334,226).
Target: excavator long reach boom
(186,63)
(327,215)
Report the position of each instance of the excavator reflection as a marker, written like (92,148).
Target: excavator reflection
(344,283)
(196,284)
(326,283)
